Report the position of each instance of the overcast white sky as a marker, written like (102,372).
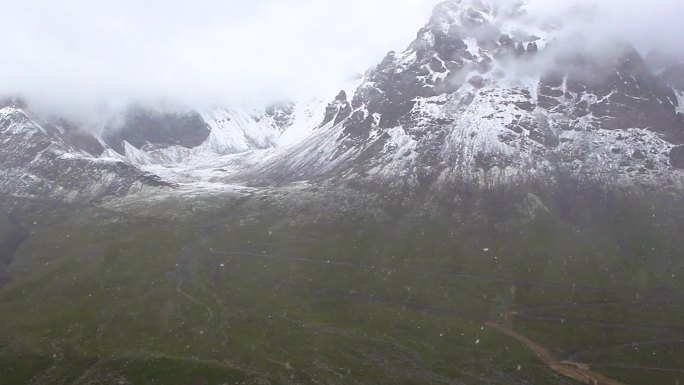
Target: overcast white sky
(195,50)
(88,54)
(648,24)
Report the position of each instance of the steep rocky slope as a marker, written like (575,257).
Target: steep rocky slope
(41,159)
(486,96)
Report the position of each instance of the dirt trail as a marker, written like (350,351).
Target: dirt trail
(576,371)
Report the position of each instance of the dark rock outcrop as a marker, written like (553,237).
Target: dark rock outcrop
(677,157)
(149,130)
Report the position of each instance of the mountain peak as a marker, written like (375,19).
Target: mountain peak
(472,14)
(13,101)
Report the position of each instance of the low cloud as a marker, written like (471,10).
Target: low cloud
(84,57)
(648,25)
(77,56)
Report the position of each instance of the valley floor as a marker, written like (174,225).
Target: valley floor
(223,297)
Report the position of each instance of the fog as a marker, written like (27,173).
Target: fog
(80,57)
(648,25)
(108,53)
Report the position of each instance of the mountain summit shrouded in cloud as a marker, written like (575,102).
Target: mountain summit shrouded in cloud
(105,54)
(82,57)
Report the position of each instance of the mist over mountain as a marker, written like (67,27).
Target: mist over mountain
(76,57)
(88,60)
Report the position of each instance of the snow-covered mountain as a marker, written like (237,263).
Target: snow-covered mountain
(43,158)
(484,96)
(158,138)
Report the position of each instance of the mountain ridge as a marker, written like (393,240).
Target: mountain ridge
(482,96)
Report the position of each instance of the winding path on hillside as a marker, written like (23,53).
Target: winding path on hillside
(576,371)
(569,368)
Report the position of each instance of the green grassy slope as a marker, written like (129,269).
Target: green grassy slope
(105,298)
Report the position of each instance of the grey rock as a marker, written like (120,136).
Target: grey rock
(151,129)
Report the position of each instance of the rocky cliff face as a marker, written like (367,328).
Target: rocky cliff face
(144,137)
(485,96)
(149,130)
(55,159)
